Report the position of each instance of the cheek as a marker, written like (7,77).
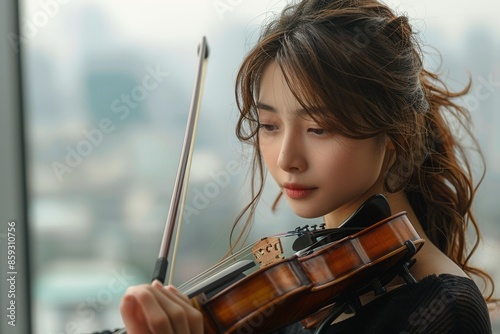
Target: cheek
(269,155)
(370,167)
(356,168)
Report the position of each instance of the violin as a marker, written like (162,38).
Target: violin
(320,281)
(291,289)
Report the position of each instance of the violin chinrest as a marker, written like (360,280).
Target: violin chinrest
(373,210)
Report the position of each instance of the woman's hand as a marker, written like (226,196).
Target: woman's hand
(155,309)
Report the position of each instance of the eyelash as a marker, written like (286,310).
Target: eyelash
(270,128)
(267,127)
(317,131)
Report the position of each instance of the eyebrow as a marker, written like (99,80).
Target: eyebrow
(266,107)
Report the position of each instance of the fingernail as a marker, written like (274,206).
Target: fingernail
(157,284)
(173,288)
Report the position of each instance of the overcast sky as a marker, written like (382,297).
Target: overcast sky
(188,18)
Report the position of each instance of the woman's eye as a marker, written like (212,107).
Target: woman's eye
(317,131)
(268,127)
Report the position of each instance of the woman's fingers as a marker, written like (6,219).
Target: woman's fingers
(152,309)
(182,314)
(148,316)
(174,290)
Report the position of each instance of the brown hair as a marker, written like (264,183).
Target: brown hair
(356,67)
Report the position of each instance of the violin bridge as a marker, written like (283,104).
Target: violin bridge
(267,251)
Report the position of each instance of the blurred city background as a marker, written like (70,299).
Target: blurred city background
(107,91)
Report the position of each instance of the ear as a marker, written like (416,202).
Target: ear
(390,152)
(389,143)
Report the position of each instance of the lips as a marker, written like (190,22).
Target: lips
(297,191)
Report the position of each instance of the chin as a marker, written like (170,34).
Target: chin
(308,214)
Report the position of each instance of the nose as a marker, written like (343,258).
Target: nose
(292,154)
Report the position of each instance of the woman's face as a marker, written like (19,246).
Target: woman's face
(319,172)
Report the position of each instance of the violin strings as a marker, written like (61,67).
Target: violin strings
(232,258)
(210,271)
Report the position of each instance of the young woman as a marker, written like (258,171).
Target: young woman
(338,107)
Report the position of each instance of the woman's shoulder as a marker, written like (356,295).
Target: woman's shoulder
(442,303)
(442,295)
(451,285)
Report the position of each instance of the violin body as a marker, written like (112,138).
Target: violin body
(294,288)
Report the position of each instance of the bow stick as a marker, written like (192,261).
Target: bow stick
(161,265)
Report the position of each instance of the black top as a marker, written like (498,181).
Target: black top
(437,304)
